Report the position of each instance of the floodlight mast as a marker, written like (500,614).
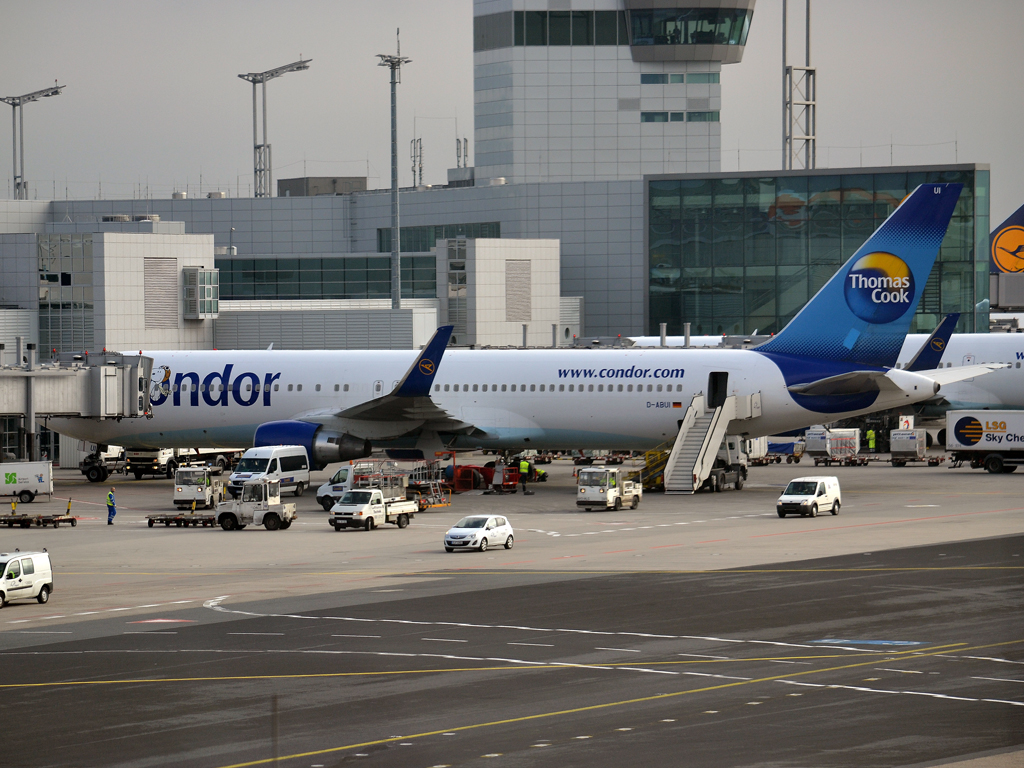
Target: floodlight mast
(395,64)
(18,133)
(262,173)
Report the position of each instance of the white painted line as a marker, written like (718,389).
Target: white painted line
(442,640)
(537,645)
(19,621)
(903,671)
(149,633)
(988,658)
(938,696)
(376,637)
(42,632)
(702,656)
(259,634)
(1005,701)
(720,677)
(998,679)
(624,650)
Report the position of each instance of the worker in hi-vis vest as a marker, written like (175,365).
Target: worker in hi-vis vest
(111,508)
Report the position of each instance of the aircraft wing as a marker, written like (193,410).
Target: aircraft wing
(408,407)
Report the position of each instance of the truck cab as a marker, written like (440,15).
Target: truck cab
(196,484)
(606,488)
(259,503)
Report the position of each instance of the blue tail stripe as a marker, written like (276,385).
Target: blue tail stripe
(419,378)
(863,314)
(931,352)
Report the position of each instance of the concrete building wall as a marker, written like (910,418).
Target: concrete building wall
(15,323)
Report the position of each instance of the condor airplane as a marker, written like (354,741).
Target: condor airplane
(833,360)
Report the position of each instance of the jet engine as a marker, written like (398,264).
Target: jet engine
(322,446)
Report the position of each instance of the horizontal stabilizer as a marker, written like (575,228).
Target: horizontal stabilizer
(962,373)
(856,382)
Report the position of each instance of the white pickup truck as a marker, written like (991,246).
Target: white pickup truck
(368,508)
(259,504)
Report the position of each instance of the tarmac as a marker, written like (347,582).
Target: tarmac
(696,630)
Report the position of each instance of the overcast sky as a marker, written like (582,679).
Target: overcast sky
(153,97)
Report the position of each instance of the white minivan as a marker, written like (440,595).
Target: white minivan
(286,464)
(26,576)
(807,496)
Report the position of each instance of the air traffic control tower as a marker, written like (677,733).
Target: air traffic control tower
(601,90)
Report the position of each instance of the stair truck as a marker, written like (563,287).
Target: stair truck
(993,440)
(259,503)
(370,507)
(607,488)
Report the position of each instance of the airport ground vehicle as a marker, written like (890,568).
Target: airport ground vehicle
(25,576)
(911,445)
(993,440)
(195,485)
(607,488)
(164,461)
(260,504)
(807,496)
(834,446)
(370,508)
(285,464)
(730,466)
(479,532)
(102,461)
(26,479)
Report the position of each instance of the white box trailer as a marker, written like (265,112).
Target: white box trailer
(993,440)
(834,446)
(910,445)
(27,479)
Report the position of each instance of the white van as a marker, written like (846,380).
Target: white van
(285,464)
(25,575)
(807,496)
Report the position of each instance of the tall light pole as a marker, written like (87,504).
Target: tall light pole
(262,169)
(18,132)
(395,64)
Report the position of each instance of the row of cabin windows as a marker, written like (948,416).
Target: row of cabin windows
(561,387)
(249,388)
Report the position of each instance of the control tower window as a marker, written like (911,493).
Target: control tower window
(690,26)
(653,79)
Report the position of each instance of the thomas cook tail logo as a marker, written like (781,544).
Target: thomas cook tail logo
(879,288)
(938,345)
(1008,249)
(968,431)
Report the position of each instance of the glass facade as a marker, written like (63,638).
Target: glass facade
(423,239)
(66,319)
(743,253)
(353,277)
(690,26)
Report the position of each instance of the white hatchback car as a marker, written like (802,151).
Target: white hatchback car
(479,532)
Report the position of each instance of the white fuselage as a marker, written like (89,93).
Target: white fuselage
(578,399)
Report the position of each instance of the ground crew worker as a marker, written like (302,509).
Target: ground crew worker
(111,507)
(524,473)
(871,440)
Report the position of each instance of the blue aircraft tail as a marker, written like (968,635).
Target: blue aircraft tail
(930,354)
(1006,244)
(863,314)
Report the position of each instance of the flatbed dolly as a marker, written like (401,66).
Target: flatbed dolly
(183,520)
(41,521)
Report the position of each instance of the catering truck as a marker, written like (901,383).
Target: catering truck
(993,440)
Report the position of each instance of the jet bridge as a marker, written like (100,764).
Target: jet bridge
(101,386)
(700,435)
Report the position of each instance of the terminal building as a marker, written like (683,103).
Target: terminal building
(597,183)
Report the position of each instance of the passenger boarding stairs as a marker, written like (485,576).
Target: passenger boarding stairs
(700,436)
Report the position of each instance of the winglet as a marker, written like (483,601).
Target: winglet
(928,357)
(419,377)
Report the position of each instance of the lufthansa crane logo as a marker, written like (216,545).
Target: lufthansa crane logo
(426,367)
(938,345)
(1008,249)
(968,431)
(879,287)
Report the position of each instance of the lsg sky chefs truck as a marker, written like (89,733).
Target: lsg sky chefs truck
(993,440)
